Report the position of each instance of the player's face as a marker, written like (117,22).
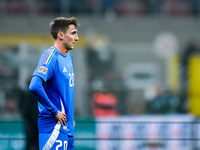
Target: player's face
(70,37)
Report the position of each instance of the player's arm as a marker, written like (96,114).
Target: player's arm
(36,87)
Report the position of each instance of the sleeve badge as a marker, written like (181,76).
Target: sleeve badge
(43,70)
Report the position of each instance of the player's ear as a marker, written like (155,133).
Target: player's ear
(60,35)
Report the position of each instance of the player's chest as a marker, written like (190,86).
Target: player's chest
(65,69)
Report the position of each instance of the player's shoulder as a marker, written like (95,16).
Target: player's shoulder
(50,55)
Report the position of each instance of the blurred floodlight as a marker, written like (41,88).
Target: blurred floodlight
(166,44)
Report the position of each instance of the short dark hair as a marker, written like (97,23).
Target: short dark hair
(62,24)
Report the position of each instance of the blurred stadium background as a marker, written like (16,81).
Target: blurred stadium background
(137,68)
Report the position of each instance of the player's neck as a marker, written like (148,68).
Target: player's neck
(61,48)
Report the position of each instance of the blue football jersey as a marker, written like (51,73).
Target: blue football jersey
(57,72)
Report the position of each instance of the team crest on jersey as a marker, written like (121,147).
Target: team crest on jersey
(43,70)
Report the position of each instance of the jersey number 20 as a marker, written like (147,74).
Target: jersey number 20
(60,144)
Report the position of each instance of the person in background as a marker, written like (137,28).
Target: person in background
(104,104)
(29,114)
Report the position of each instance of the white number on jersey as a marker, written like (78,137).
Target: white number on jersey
(71,80)
(60,144)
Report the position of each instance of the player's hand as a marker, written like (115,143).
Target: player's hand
(61,117)
(74,123)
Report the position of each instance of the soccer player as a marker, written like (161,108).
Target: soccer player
(52,84)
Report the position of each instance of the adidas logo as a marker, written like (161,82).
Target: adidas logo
(64,69)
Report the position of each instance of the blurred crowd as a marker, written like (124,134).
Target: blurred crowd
(101,7)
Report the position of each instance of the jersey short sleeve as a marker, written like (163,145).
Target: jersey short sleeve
(46,65)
